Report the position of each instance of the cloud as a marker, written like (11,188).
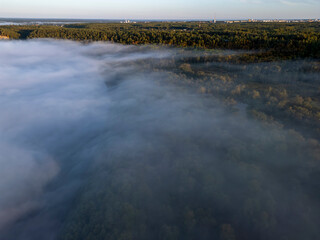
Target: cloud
(79,120)
(54,105)
(49,97)
(24,174)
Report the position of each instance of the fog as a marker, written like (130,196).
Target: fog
(84,122)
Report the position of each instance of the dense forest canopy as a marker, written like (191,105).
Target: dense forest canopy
(292,99)
(287,40)
(214,138)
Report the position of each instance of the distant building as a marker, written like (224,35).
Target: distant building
(275,21)
(127,21)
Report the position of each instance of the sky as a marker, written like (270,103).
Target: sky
(160,9)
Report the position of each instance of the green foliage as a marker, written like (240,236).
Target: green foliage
(287,40)
(160,193)
(9,33)
(283,92)
(165,195)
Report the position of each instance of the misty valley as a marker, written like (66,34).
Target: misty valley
(137,142)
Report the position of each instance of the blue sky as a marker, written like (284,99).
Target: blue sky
(161,9)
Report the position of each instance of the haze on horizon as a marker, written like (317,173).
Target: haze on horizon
(165,9)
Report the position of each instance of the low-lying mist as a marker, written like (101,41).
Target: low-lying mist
(95,146)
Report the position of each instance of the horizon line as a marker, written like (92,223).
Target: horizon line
(150,19)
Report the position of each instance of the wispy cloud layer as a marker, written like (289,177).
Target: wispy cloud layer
(89,116)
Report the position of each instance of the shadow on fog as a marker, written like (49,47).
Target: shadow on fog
(96,146)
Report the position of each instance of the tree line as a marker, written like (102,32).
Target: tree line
(290,39)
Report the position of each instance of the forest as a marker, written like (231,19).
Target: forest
(232,181)
(281,40)
(291,100)
(260,42)
(184,131)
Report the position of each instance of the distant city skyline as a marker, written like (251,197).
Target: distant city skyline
(165,9)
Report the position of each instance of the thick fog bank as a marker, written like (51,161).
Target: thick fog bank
(53,105)
(93,146)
